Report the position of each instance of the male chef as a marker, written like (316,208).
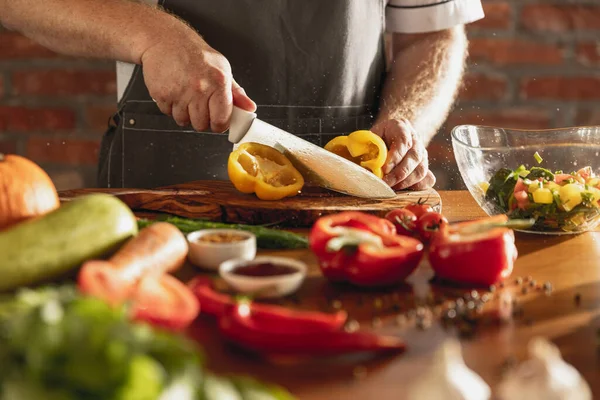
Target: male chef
(316,68)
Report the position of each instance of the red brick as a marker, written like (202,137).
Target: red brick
(66,151)
(8,147)
(561,88)
(560,18)
(97,117)
(588,118)
(517,118)
(64,82)
(497,16)
(588,54)
(23,119)
(483,87)
(513,52)
(16,46)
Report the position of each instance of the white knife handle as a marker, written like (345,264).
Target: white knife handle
(240,123)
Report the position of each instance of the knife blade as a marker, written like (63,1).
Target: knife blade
(317,165)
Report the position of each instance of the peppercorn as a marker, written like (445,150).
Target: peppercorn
(378,303)
(401,320)
(376,322)
(532,283)
(352,326)
(423,322)
(519,281)
(501,285)
(359,372)
(577,299)
(524,290)
(450,313)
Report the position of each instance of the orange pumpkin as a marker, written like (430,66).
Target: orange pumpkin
(26,191)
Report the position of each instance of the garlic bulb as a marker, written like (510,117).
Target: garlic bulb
(449,378)
(544,376)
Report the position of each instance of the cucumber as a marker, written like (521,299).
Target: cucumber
(52,245)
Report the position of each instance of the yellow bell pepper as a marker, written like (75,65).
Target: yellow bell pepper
(363,148)
(260,169)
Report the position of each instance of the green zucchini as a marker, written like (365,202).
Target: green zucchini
(50,246)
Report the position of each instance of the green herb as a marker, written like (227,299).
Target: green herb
(537,172)
(266,238)
(538,158)
(588,198)
(58,345)
(501,188)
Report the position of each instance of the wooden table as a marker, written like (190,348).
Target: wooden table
(571,263)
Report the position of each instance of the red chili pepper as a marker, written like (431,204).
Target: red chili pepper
(475,252)
(219,305)
(363,249)
(243,329)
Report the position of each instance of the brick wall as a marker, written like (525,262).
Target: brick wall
(533,64)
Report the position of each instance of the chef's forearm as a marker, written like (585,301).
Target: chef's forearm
(113,29)
(424,78)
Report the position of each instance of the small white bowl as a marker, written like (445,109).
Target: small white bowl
(264,286)
(210,255)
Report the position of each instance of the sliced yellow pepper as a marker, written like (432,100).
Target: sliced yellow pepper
(260,169)
(363,148)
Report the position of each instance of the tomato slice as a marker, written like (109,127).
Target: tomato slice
(164,301)
(99,279)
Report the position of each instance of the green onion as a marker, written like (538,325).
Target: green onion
(538,158)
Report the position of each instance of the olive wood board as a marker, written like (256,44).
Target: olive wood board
(220,201)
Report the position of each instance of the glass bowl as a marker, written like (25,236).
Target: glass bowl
(480,151)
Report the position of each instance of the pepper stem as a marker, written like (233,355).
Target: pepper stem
(512,224)
(351,238)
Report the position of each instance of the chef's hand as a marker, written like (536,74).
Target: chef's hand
(407,165)
(191,81)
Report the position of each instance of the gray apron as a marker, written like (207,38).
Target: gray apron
(314,67)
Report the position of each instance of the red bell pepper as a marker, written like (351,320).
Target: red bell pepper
(363,249)
(219,305)
(245,330)
(479,252)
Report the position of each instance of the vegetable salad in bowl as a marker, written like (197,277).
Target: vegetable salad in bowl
(555,200)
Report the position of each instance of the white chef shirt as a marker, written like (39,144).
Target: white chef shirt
(401,16)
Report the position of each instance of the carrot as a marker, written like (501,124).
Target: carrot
(156,250)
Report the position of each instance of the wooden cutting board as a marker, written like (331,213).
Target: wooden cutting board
(220,201)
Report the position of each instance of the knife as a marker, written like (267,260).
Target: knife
(317,165)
